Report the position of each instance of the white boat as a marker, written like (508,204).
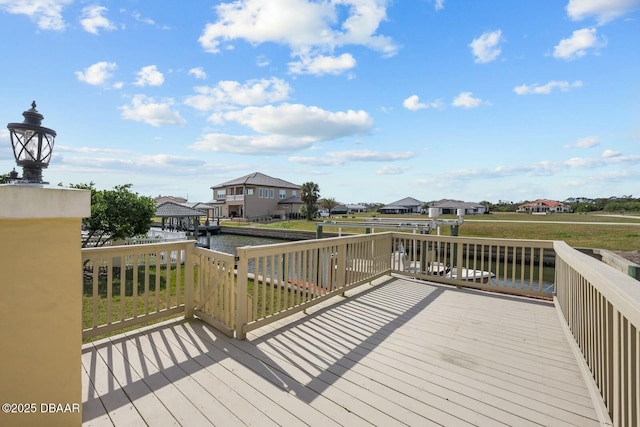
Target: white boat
(440,269)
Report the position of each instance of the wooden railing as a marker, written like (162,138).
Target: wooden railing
(130,285)
(125,286)
(602,309)
(520,267)
(214,290)
(278,280)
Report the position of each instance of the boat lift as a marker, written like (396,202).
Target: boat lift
(417,226)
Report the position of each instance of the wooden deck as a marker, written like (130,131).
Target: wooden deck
(400,353)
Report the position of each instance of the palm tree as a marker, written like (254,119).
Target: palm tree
(310,194)
(328,204)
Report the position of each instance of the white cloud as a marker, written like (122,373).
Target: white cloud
(149,76)
(198,73)
(147,110)
(93,20)
(314,161)
(336,158)
(89,150)
(298,120)
(546,89)
(262,61)
(97,74)
(413,103)
(486,47)
(541,168)
(308,28)
(228,93)
(391,170)
(371,156)
(602,10)
(439,4)
(576,46)
(6,153)
(138,17)
(135,162)
(285,128)
(586,142)
(47,13)
(322,64)
(250,144)
(466,100)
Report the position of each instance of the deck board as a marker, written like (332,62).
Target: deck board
(400,353)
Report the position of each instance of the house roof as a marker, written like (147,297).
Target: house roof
(176,210)
(544,202)
(162,199)
(291,200)
(198,205)
(405,203)
(454,204)
(258,178)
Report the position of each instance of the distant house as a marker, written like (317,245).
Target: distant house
(339,210)
(177,216)
(345,209)
(162,199)
(256,196)
(212,211)
(544,206)
(450,207)
(356,208)
(403,206)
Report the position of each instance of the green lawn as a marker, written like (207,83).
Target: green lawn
(584,234)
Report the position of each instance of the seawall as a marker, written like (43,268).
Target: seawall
(274,233)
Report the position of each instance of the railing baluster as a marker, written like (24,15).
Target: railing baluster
(123,287)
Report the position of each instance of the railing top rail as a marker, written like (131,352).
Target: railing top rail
(312,244)
(477,240)
(621,290)
(182,244)
(207,252)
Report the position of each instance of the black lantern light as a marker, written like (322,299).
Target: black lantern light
(32,145)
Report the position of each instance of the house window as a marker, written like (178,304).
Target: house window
(294,193)
(249,191)
(220,194)
(260,193)
(271,193)
(283,194)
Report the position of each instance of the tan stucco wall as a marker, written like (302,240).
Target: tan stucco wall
(41,306)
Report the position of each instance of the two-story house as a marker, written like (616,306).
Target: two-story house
(544,206)
(256,196)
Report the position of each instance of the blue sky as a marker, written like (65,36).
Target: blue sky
(373,100)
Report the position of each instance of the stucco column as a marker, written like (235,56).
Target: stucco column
(41,305)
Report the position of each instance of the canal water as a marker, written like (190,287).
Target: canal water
(228,243)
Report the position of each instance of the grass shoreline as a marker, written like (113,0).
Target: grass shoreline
(594,230)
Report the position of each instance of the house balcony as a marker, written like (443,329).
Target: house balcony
(382,329)
(236,198)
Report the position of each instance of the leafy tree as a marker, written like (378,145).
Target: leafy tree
(4,178)
(328,204)
(310,194)
(116,214)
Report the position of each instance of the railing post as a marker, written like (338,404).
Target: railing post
(242,312)
(189,285)
(41,304)
(341,272)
